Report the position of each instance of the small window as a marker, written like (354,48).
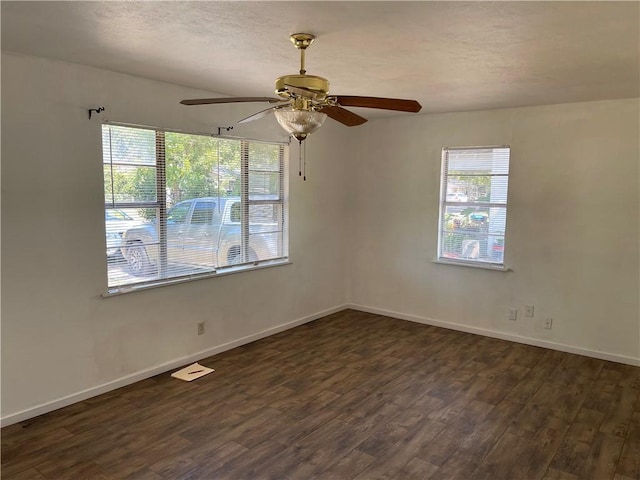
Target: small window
(473,205)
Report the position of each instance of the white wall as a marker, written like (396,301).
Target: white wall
(572,225)
(59,337)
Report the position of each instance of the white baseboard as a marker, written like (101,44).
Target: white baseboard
(501,335)
(150,372)
(179,362)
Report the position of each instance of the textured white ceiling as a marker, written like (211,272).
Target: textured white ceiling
(450,56)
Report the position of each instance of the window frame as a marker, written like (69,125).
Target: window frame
(444,203)
(161,207)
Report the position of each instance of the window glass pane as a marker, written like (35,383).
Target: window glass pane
(191,166)
(474,233)
(494,160)
(477,188)
(266,245)
(178,214)
(264,171)
(235,213)
(128,145)
(129,183)
(117,221)
(229,170)
(265,230)
(473,246)
(264,185)
(137,228)
(265,214)
(264,157)
(203,213)
(475,219)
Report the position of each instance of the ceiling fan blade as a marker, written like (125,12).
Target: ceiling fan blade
(262,113)
(343,116)
(207,101)
(398,104)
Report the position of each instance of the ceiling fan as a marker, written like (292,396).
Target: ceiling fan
(303,102)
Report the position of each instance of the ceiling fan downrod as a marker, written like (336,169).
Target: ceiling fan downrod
(302,41)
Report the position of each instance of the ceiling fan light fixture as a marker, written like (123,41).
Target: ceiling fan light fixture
(300,123)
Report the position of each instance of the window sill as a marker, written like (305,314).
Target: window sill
(125,289)
(483,266)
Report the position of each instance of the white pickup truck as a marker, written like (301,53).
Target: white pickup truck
(204,232)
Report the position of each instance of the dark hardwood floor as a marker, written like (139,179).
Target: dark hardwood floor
(351,396)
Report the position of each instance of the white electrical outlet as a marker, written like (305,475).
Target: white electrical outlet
(200,328)
(548,323)
(513,314)
(528,311)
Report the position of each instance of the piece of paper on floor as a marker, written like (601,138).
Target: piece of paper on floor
(192,372)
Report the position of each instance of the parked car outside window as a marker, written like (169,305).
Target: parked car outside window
(116,223)
(204,232)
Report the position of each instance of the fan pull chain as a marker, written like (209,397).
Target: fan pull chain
(300,159)
(304,166)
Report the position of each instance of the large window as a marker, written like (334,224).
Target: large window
(473,205)
(179,206)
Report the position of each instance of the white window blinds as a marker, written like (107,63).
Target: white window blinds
(473,204)
(182,205)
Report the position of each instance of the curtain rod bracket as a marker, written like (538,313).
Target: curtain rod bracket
(97,110)
(225,128)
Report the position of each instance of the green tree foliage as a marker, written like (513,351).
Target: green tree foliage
(129,164)
(195,166)
(191,166)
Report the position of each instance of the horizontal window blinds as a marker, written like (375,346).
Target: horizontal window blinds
(473,205)
(181,205)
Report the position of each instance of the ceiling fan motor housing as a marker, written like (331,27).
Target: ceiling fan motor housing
(317,85)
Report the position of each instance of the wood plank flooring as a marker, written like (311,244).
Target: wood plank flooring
(351,396)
